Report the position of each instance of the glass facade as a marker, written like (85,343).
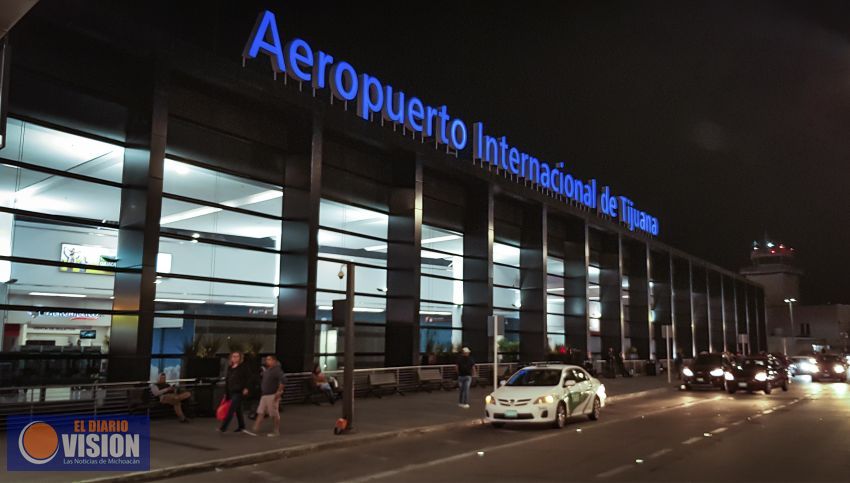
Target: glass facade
(440,292)
(249,208)
(357,235)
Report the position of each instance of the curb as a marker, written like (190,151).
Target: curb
(299,450)
(277,454)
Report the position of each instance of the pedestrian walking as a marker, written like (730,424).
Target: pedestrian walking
(465,370)
(236,384)
(271,389)
(611,364)
(621,366)
(677,364)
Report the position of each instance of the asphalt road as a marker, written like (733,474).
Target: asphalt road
(800,435)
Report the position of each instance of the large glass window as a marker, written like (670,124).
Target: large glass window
(60,199)
(358,235)
(507,300)
(219,249)
(555,304)
(441,293)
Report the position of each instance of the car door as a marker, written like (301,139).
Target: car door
(577,396)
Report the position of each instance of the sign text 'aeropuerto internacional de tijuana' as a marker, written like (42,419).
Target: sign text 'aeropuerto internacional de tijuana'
(374,98)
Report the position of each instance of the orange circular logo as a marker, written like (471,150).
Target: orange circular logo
(38,442)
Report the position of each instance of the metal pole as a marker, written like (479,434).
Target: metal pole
(793,333)
(669,367)
(348,370)
(495,353)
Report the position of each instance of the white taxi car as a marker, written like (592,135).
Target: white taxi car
(545,394)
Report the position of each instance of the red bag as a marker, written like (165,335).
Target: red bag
(223,408)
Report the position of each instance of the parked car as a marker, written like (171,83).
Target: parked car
(761,373)
(706,371)
(830,367)
(545,394)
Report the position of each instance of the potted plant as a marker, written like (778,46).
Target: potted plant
(200,357)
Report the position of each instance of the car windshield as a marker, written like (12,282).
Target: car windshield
(755,362)
(829,359)
(536,377)
(708,360)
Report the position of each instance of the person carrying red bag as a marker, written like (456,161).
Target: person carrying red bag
(236,388)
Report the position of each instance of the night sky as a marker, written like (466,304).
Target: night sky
(726,121)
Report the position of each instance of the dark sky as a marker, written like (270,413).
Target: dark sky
(725,119)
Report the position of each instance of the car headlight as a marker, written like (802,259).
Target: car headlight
(812,360)
(716,372)
(761,376)
(548,399)
(728,376)
(838,368)
(808,367)
(688,372)
(489,399)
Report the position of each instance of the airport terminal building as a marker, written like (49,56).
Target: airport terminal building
(165,195)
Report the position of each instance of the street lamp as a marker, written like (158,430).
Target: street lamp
(791,302)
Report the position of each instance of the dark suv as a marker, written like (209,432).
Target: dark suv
(761,373)
(830,367)
(706,371)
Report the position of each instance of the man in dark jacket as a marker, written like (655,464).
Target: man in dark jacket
(236,383)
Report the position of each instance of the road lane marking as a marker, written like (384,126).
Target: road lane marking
(692,440)
(736,423)
(767,411)
(660,452)
(718,430)
(614,471)
(416,466)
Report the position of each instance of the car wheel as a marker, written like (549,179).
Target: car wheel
(730,389)
(594,413)
(767,388)
(498,425)
(560,416)
(785,385)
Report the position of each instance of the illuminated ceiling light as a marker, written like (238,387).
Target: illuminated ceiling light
(383,247)
(250,304)
(428,312)
(176,166)
(181,301)
(559,289)
(770,245)
(185,215)
(439,239)
(54,294)
(234,203)
(356,309)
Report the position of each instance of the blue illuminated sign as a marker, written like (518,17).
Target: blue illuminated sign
(372,97)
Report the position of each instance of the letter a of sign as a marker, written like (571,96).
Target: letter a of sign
(264,38)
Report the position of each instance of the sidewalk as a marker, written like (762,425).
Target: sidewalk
(174,444)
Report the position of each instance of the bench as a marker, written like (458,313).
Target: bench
(312,393)
(430,377)
(383,382)
(141,400)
